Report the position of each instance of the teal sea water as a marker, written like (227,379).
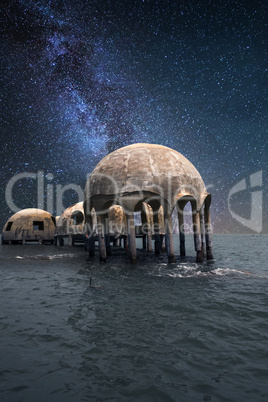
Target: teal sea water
(150,332)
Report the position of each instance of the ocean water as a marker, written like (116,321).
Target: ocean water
(150,332)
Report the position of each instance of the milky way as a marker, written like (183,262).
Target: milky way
(82,78)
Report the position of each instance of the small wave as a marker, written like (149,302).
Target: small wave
(229,271)
(44,257)
(190,271)
(232,271)
(69,255)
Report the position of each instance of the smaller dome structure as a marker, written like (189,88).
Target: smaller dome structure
(29,225)
(71,225)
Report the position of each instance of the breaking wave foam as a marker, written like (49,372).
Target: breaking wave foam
(190,271)
(44,257)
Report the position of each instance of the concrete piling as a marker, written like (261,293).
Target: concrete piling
(144,242)
(149,241)
(197,236)
(169,237)
(132,238)
(208,234)
(203,244)
(163,243)
(181,233)
(101,237)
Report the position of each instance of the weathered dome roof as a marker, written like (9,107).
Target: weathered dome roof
(28,225)
(30,212)
(147,167)
(67,213)
(65,219)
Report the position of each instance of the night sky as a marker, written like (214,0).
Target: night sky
(83,78)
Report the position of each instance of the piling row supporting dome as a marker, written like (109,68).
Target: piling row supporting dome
(150,179)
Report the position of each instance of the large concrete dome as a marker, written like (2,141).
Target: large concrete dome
(29,224)
(149,168)
(142,176)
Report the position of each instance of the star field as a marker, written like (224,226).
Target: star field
(82,78)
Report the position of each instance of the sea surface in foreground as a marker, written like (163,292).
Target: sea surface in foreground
(150,332)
